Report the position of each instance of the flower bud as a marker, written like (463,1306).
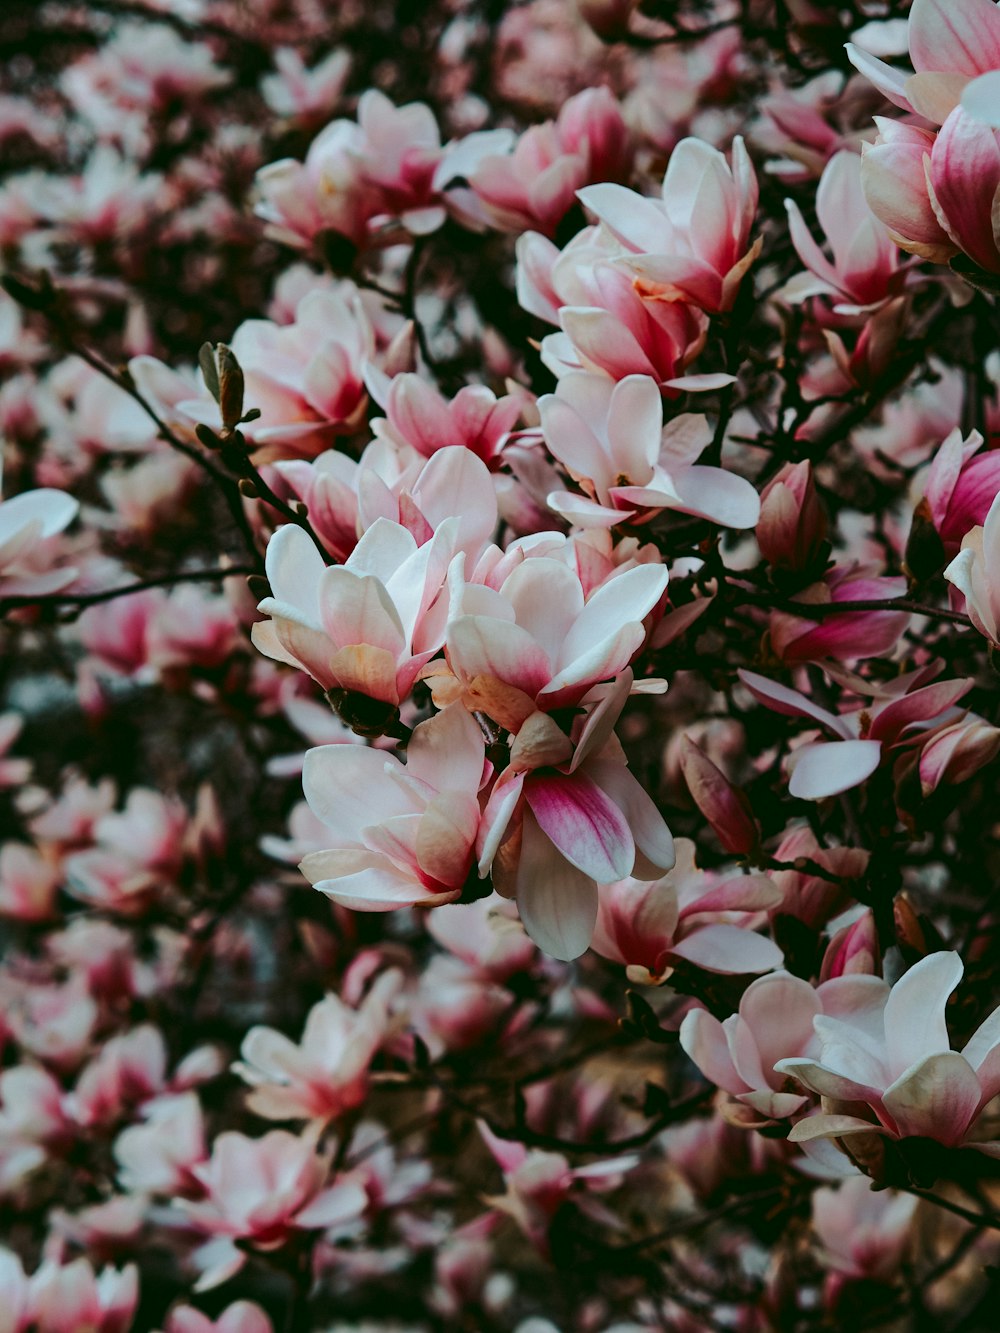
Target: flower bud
(956,753)
(852,950)
(791,530)
(724,806)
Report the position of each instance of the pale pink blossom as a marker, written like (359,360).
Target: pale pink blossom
(539,634)
(898,1064)
(901,712)
(963,178)
(403,834)
(611,439)
(261,1190)
(774,1021)
(367,626)
(975,572)
(688,916)
(535,186)
(863,1232)
(29,883)
(30,556)
(694,244)
(302,94)
(606,325)
(791,531)
(65,1298)
(951,42)
(418,415)
(13,770)
(865,269)
(158,1156)
(894,178)
(327,1073)
(240,1317)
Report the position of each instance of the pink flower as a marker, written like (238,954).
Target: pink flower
(960,486)
(566,816)
(365,627)
(791,530)
(694,245)
(724,806)
(302,94)
(418,416)
(541,635)
(776,1016)
(865,269)
(159,1155)
(536,185)
(29,554)
(905,709)
(963,179)
(66,1298)
(863,1231)
(403,834)
(956,753)
(951,42)
(611,439)
(327,1074)
(689,916)
(898,1063)
(259,1190)
(29,883)
(240,1317)
(894,179)
(846,636)
(606,325)
(975,572)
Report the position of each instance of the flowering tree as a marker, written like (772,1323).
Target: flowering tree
(500,578)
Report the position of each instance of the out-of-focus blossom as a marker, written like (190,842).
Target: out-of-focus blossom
(305,95)
(260,1190)
(327,1073)
(724,806)
(863,1231)
(240,1317)
(611,438)
(898,1065)
(158,1156)
(961,484)
(536,185)
(29,883)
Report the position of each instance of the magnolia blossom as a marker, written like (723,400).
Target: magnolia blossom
(746,1054)
(565,816)
(904,711)
(951,43)
(539,636)
(606,325)
(403,834)
(694,244)
(687,915)
(62,1298)
(865,270)
(367,626)
(420,417)
(536,184)
(611,438)
(863,1232)
(897,1063)
(240,1317)
(791,531)
(327,1073)
(975,572)
(259,1190)
(29,555)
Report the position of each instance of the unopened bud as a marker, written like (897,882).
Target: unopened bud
(791,530)
(724,806)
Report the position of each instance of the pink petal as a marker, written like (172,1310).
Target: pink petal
(584,824)
(937,1099)
(828,767)
(557,902)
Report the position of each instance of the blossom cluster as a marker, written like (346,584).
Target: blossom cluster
(499,704)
